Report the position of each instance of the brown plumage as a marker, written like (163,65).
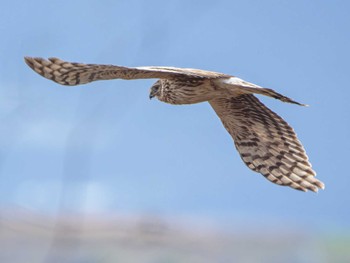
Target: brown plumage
(266,143)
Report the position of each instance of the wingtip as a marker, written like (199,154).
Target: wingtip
(294,102)
(318,186)
(27,59)
(321,186)
(32,61)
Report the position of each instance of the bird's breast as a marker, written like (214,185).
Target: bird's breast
(187,91)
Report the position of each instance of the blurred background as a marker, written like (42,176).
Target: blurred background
(99,173)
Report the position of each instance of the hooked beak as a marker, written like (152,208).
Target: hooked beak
(154,90)
(152,95)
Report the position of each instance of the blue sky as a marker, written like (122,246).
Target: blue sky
(106,148)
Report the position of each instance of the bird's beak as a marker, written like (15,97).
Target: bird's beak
(152,95)
(154,90)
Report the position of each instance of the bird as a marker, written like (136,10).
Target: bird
(267,144)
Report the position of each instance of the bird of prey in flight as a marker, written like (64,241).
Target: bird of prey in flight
(265,142)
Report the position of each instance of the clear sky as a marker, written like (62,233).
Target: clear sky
(106,148)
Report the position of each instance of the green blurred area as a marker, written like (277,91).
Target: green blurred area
(27,237)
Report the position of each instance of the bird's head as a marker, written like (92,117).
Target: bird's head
(155,90)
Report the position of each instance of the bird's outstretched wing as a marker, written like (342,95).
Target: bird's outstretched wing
(69,73)
(239,86)
(266,143)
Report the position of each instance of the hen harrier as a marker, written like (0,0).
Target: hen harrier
(266,143)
